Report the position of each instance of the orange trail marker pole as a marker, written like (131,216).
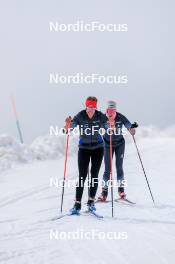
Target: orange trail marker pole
(16,118)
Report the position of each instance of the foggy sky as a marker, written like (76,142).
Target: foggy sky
(29,53)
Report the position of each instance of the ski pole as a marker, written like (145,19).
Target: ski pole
(133,126)
(112,195)
(17,119)
(65,168)
(88,183)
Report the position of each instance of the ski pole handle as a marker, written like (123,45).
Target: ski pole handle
(134,125)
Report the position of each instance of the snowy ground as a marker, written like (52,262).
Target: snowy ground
(28,204)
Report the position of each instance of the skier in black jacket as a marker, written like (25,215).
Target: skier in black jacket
(116,121)
(91,148)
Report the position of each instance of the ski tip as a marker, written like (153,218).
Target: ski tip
(125,201)
(98,201)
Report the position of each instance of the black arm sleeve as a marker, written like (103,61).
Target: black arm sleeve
(125,121)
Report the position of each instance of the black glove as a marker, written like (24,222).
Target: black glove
(134,125)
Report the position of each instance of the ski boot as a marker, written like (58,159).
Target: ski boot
(122,195)
(91,206)
(103,196)
(76,209)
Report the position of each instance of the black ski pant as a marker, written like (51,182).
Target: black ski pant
(119,150)
(84,158)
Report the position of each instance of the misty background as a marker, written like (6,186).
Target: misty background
(30,52)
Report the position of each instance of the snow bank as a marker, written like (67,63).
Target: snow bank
(12,152)
(53,147)
(43,148)
(152,131)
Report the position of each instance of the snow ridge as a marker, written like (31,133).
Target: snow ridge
(53,147)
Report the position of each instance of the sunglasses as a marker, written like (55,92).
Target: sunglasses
(111,111)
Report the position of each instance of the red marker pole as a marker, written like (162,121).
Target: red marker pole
(16,118)
(111,179)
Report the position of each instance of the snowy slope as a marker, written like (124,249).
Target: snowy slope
(28,204)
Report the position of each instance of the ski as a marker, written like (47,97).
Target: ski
(98,201)
(124,201)
(63,215)
(60,216)
(93,214)
(85,213)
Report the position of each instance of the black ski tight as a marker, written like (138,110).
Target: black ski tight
(84,157)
